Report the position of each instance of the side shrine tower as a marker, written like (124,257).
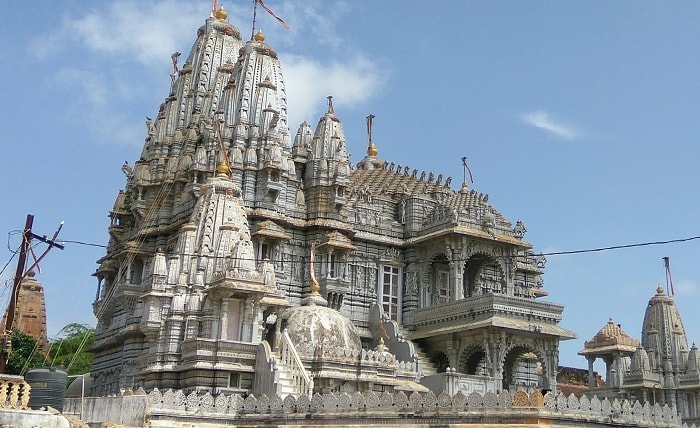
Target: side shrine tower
(661,369)
(242,260)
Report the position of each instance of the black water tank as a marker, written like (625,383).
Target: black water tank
(48,387)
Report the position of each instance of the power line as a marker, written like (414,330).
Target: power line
(88,244)
(618,247)
(553,253)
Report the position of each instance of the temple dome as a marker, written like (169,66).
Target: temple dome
(318,325)
(610,338)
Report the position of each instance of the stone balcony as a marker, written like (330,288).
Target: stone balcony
(490,310)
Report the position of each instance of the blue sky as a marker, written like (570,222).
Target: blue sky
(580,118)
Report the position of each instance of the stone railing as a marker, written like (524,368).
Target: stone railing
(14,392)
(428,405)
(467,307)
(303,384)
(345,354)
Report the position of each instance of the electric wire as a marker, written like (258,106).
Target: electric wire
(551,253)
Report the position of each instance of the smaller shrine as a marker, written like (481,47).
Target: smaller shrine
(660,368)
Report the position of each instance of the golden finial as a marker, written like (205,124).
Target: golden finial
(223,169)
(221,13)
(381,340)
(259,36)
(659,290)
(372,149)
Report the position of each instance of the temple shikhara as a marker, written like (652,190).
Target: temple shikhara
(251,259)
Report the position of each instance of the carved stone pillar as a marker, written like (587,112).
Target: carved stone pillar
(551,366)
(259,322)
(457,269)
(248,320)
(591,378)
(223,316)
(278,333)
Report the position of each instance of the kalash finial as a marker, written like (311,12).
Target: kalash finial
(223,169)
(259,36)
(221,13)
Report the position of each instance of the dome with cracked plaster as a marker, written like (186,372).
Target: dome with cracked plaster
(318,325)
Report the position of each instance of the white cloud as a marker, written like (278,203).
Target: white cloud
(148,32)
(309,82)
(542,120)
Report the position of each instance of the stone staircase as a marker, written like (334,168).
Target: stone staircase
(398,343)
(425,367)
(284,380)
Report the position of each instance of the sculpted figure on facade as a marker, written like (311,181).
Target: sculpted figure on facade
(267,272)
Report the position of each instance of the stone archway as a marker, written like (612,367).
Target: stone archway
(474,361)
(524,368)
(483,274)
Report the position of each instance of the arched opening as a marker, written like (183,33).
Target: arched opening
(523,369)
(483,275)
(473,362)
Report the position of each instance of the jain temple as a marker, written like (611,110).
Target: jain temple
(257,276)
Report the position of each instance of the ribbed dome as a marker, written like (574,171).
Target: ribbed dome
(611,333)
(319,325)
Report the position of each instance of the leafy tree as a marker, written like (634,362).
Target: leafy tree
(23,350)
(76,338)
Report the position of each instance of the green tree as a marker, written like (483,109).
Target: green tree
(69,350)
(23,354)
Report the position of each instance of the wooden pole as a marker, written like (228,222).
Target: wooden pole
(10,315)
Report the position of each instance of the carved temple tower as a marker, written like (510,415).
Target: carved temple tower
(211,238)
(660,369)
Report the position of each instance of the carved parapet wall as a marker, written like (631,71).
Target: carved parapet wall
(14,392)
(394,408)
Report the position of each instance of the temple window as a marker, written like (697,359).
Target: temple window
(332,267)
(389,294)
(442,285)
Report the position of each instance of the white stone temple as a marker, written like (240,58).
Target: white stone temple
(247,259)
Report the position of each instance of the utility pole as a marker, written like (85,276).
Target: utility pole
(20,273)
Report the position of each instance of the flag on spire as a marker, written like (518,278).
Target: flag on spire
(268,10)
(669,280)
(467,169)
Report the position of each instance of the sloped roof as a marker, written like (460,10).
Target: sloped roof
(608,339)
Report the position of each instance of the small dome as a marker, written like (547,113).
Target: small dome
(612,334)
(318,325)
